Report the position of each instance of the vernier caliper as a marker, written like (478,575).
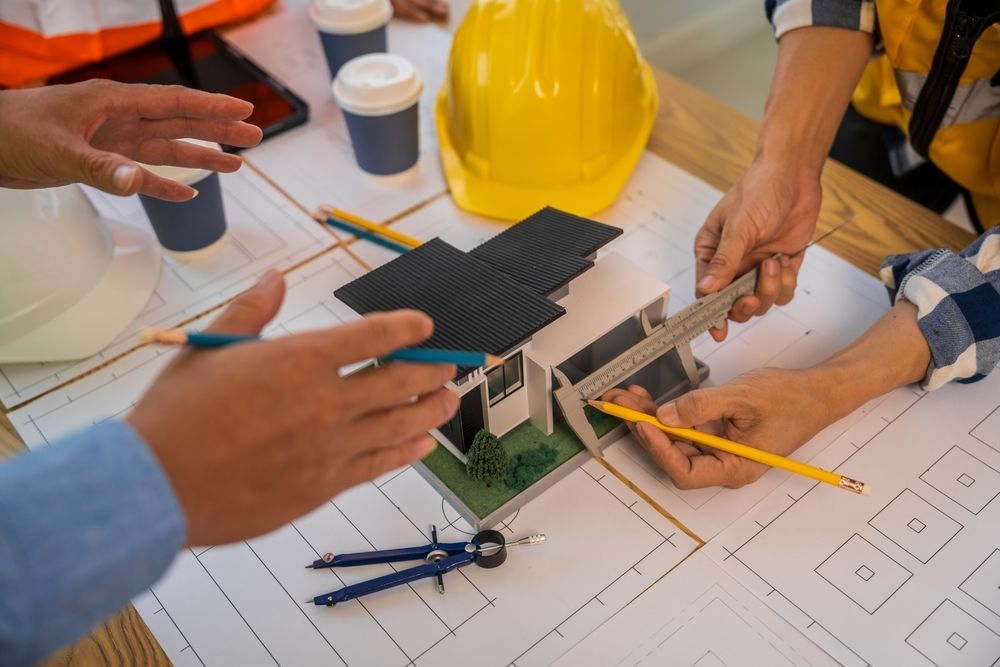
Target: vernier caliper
(674,333)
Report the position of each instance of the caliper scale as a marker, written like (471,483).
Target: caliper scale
(674,333)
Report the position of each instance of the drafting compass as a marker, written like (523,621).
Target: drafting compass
(487,548)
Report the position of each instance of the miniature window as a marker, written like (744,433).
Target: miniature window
(505,379)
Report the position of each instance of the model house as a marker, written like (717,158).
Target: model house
(538,296)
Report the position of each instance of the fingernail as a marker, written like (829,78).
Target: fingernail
(426,447)
(270,277)
(772,267)
(785,262)
(194,193)
(123,177)
(746,309)
(706,283)
(667,413)
(428,326)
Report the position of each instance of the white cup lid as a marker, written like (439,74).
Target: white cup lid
(183,175)
(377,84)
(350,17)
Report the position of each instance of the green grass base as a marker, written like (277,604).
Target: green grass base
(483,500)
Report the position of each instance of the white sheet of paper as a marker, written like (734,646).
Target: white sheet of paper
(315,163)
(696,615)
(264,231)
(908,575)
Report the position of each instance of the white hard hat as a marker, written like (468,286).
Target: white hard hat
(70,280)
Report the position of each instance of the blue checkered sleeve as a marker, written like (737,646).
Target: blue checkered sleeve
(958,303)
(788,15)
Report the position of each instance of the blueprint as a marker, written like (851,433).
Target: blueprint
(242,604)
(908,575)
(696,615)
(925,542)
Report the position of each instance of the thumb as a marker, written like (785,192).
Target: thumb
(693,408)
(723,265)
(251,310)
(110,172)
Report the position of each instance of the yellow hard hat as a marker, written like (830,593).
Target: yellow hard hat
(546,103)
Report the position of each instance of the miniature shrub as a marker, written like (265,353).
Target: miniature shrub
(487,460)
(525,469)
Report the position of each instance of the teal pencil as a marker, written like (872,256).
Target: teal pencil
(431,356)
(366,235)
(418,355)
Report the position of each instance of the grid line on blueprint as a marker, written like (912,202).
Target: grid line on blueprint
(747,568)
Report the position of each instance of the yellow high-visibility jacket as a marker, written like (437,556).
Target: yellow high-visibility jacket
(937,79)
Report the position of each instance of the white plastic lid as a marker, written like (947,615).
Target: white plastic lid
(184,175)
(377,84)
(350,17)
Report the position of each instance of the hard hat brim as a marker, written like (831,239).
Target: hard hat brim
(93,322)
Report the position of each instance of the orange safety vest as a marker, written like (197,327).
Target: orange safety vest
(935,83)
(42,38)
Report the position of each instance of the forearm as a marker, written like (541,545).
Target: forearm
(85,524)
(891,354)
(815,75)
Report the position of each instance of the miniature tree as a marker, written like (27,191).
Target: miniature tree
(487,459)
(527,468)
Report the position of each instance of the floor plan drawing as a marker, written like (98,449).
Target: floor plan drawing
(242,604)
(907,575)
(681,619)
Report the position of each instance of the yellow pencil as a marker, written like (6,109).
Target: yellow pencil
(374,227)
(746,451)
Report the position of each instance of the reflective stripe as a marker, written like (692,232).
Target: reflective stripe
(51,18)
(972,101)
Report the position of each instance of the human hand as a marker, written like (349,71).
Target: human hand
(256,434)
(772,409)
(94,132)
(420,11)
(771,209)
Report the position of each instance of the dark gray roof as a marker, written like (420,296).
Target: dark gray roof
(474,307)
(546,250)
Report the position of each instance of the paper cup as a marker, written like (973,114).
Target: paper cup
(350,28)
(192,229)
(379,94)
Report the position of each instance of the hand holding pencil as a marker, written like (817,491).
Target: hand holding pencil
(774,410)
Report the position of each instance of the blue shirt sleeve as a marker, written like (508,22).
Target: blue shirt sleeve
(958,305)
(85,525)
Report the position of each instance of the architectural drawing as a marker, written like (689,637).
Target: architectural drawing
(264,230)
(907,575)
(983,585)
(242,604)
(696,615)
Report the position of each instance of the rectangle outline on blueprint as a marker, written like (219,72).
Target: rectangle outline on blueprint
(971,455)
(845,593)
(944,514)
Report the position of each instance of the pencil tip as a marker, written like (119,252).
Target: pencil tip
(147,335)
(493,360)
(595,404)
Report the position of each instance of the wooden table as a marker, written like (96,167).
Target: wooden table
(715,143)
